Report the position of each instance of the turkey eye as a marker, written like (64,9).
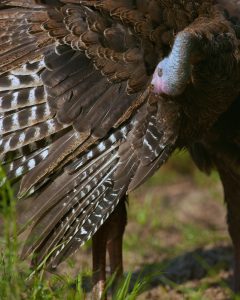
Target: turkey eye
(160,72)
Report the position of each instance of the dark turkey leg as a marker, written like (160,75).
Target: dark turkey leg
(109,236)
(115,240)
(231,182)
(99,248)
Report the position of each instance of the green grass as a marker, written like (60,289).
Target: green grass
(160,230)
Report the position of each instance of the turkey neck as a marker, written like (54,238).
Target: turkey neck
(208,96)
(164,19)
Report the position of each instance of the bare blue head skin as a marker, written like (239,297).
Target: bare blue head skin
(173,72)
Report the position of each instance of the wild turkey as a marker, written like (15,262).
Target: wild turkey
(96,95)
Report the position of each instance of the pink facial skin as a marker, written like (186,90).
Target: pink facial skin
(167,78)
(158,83)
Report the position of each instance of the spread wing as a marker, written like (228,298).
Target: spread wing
(79,124)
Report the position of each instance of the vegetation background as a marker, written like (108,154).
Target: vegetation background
(176,244)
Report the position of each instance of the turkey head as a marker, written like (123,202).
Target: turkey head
(201,73)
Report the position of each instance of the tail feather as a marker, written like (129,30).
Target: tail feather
(85,225)
(13,82)
(25,118)
(88,228)
(10,101)
(29,135)
(26,122)
(24,164)
(101,148)
(66,186)
(86,165)
(63,147)
(78,198)
(78,212)
(13,156)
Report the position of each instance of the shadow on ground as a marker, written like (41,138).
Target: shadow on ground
(193,265)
